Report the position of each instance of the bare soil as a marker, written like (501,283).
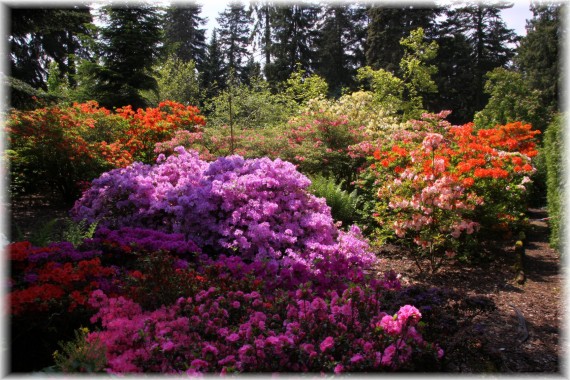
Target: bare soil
(514,328)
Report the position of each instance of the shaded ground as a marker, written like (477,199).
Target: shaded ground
(494,324)
(519,328)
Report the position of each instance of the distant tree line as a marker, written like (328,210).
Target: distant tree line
(133,55)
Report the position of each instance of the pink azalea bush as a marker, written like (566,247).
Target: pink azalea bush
(436,185)
(168,308)
(235,331)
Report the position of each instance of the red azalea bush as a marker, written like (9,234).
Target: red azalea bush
(54,277)
(65,146)
(436,184)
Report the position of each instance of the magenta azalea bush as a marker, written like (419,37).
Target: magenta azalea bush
(259,208)
(240,331)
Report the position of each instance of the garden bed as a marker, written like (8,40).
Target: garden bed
(486,334)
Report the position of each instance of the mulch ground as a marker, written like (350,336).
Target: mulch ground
(519,328)
(513,328)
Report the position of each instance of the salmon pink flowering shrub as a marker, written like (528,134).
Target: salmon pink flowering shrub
(437,185)
(214,142)
(258,208)
(318,143)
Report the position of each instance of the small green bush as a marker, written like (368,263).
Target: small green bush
(79,355)
(555,183)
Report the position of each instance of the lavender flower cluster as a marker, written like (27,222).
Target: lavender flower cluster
(259,208)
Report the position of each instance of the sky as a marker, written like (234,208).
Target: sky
(515,17)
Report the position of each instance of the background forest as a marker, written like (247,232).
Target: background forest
(140,55)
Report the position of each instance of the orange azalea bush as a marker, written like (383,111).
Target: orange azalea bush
(62,147)
(437,185)
(152,125)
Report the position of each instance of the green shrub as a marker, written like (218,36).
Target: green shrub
(252,107)
(79,355)
(555,183)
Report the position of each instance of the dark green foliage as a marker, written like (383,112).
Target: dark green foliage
(213,78)
(234,38)
(342,203)
(294,35)
(453,78)
(538,53)
(183,33)
(341,45)
(488,39)
(263,12)
(511,99)
(130,47)
(22,96)
(388,25)
(40,35)
(555,180)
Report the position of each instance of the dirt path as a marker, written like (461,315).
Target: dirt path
(539,307)
(518,330)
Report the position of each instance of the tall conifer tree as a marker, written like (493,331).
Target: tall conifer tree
(341,45)
(489,40)
(184,35)
(538,54)
(130,48)
(388,25)
(264,12)
(234,39)
(213,78)
(294,39)
(40,35)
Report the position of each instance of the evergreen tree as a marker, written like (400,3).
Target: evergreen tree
(264,12)
(488,37)
(130,49)
(183,34)
(388,25)
(538,54)
(234,38)
(294,38)
(341,45)
(213,78)
(40,36)
(453,79)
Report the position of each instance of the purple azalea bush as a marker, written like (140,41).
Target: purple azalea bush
(268,280)
(257,208)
